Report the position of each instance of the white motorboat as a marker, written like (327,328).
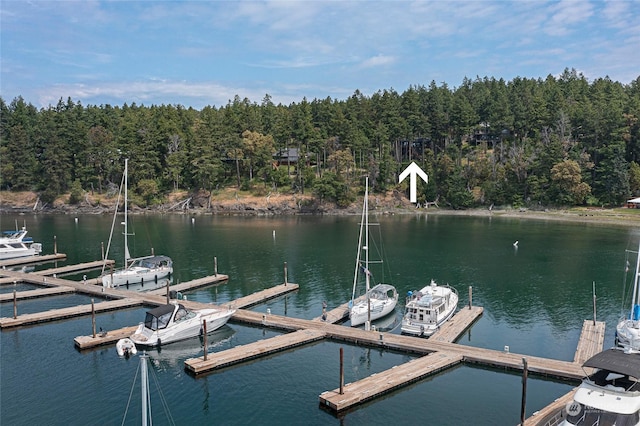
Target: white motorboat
(378,301)
(609,396)
(628,327)
(145,273)
(426,310)
(15,243)
(174,322)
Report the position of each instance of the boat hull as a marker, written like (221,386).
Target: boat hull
(138,278)
(427,310)
(379,309)
(215,318)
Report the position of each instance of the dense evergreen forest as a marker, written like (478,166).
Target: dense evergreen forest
(558,141)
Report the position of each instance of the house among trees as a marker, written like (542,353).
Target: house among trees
(287,156)
(634,203)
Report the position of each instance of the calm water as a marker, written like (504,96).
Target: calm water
(535,298)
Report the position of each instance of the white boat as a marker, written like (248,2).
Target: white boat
(426,310)
(145,273)
(378,301)
(174,322)
(609,396)
(15,243)
(628,328)
(125,347)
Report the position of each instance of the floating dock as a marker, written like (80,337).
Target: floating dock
(112,336)
(193,284)
(33,294)
(460,322)
(31,259)
(75,311)
(251,351)
(591,342)
(435,354)
(262,296)
(387,381)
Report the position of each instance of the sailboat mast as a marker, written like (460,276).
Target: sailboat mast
(126,201)
(635,300)
(367,273)
(144,388)
(358,254)
(366,233)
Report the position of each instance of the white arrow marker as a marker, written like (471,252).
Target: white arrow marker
(412,170)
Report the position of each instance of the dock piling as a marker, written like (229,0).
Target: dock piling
(15,305)
(470,296)
(523,404)
(93,318)
(285,273)
(204,336)
(341,371)
(215,266)
(55,245)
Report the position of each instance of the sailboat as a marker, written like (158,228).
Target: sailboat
(143,273)
(628,328)
(378,301)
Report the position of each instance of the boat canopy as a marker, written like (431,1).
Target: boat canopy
(159,317)
(616,361)
(154,261)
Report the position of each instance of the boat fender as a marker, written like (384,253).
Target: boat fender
(156,279)
(127,284)
(422,330)
(142,282)
(159,342)
(201,332)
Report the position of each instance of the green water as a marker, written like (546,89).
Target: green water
(535,298)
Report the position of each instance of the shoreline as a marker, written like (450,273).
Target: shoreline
(283,205)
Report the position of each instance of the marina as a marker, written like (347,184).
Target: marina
(428,357)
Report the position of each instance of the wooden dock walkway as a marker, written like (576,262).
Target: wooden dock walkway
(32,259)
(451,330)
(33,294)
(591,341)
(85,342)
(251,351)
(381,383)
(80,267)
(262,296)
(106,338)
(193,284)
(74,311)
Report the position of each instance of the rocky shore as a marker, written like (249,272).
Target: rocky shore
(233,203)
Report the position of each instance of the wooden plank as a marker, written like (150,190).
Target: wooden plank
(75,311)
(243,353)
(262,296)
(457,324)
(551,415)
(33,294)
(193,284)
(381,383)
(339,313)
(32,259)
(110,337)
(591,341)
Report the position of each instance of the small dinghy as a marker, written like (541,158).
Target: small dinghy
(126,347)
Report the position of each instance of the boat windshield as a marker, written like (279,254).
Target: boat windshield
(154,322)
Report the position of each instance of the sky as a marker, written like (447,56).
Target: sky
(204,53)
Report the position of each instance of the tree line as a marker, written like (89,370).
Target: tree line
(558,141)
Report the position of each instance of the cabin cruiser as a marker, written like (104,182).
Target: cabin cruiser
(611,394)
(426,310)
(15,243)
(174,322)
